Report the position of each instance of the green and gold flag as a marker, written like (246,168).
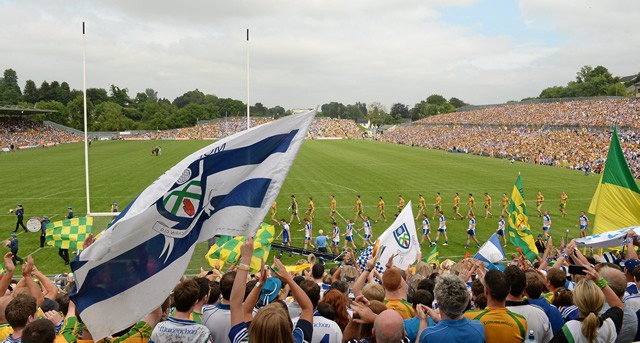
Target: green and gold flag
(433,256)
(227,249)
(519,233)
(616,202)
(69,233)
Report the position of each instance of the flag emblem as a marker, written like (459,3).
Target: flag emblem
(184,201)
(402,236)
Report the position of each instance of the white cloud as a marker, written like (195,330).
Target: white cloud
(305,53)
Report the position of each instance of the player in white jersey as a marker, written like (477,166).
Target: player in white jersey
(348,236)
(286,233)
(366,241)
(501,230)
(307,234)
(471,232)
(583,221)
(546,224)
(442,228)
(335,239)
(426,230)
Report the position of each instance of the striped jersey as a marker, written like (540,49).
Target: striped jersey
(367,227)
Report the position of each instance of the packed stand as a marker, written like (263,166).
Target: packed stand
(19,133)
(211,130)
(334,128)
(600,113)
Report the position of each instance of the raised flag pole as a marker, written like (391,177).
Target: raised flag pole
(84,103)
(248,106)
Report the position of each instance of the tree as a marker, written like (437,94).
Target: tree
(333,110)
(97,95)
(436,99)
(9,90)
(259,110)
(10,78)
(120,96)
(191,97)
(30,93)
(376,113)
(457,103)
(109,117)
(75,112)
(277,111)
(399,111)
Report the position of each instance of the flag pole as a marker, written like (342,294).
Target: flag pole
(84,102)
(248,115)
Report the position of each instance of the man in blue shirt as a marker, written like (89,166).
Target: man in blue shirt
(321,242)
(452,297)
(43,230)
(19,211)
(13,246)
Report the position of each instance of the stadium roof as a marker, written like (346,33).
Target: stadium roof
(18,110)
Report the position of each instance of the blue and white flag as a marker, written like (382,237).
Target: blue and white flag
(225,188)
(491,251)
(608,239)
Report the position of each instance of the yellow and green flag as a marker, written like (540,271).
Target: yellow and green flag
(227,249)
(616,202)
(433,256)
(519,233)
(69,233)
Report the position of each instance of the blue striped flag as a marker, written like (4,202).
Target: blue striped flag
(491,251)
(225,188)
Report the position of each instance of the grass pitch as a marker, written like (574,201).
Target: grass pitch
(48,180)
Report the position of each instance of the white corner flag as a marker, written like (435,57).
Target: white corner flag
(491,251)
(400,239)
(225,188)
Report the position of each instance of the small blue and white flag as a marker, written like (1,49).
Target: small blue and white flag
(225,188)
(491,251)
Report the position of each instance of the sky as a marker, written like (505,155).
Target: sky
(304,53)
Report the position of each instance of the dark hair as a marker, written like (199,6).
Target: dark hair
(312,290)
(477,287)
(341,286)
(481,302)
(214,292)
(562,297)
(317,271)
(516,280)
(556,277)
(226,284)
(39,331)
(497,284)
(297,279)
(251,284)
(535,285)
(185,295)
(204,287)
(636,273)
(19,310)
(422,297)
(326,310)
(63,300)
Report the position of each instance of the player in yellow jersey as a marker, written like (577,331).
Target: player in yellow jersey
(539,201)
(505,204)
(456,206)
(400,203)
(381,209)
(359,209)
(421,205)
(294,209)
(487,205)
(311,209)
(563,203)
(274,210)
(472,204)
(332,208)
(437,205)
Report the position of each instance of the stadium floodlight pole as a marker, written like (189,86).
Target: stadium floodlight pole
(84,102)
(248,116)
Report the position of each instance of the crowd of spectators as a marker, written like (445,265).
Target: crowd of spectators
(564,295)
(322,127)
(601,113)
(16,133)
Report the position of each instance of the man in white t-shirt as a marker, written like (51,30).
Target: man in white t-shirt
(537,320)
(218,318)
(324,330)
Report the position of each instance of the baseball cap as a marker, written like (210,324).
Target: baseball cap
(631,263)
(69,207)
(270,290)
(20,205)
(13,235)
(45,217)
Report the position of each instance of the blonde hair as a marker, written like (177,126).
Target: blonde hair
(373,291)
(271,324)
(424,269)
(589,299)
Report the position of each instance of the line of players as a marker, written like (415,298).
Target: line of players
(358,208)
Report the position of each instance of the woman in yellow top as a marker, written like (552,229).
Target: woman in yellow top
(505,204)
(422,204)
(400,203)
(311,209)
(539,201)
(456,206)
(487,205)
(332,208)
(381,209)
(563,203)
(436,205)
(472,204)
